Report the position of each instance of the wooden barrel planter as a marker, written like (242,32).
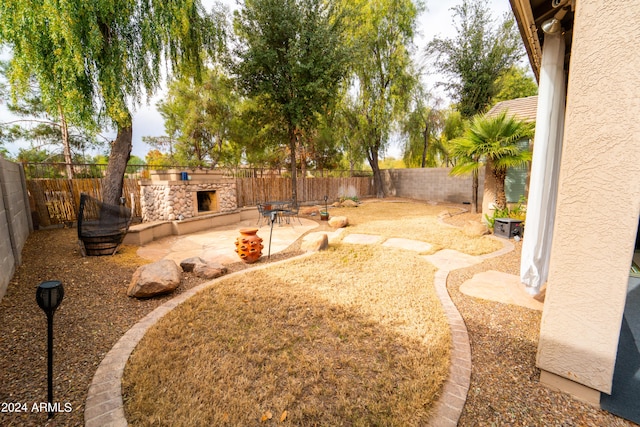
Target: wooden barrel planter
(101,227)
(101,244)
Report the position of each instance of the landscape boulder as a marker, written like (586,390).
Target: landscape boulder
(209,270)
(190,263)
(475,229)
(315,242)
(153,279)
(202,268)
(338,221)
(309,210)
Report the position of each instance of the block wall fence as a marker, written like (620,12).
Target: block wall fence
(431,184)
(15,220)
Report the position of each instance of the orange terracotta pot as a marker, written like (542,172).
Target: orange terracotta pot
(249,245)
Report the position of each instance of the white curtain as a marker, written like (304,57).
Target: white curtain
(545,166)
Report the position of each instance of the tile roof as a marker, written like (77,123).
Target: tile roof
(522,108)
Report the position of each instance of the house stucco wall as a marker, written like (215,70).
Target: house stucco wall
(598,197)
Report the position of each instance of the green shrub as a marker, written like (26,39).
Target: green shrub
(519,211)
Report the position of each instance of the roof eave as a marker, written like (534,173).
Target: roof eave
(528,30)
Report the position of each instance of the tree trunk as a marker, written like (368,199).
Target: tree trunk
(303,170)
(377,175)
(501,198)
(474,193)
(114,178)
(292,150)
(426,146)
(64,130)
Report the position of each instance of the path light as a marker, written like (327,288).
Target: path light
(272,217)
(49,296)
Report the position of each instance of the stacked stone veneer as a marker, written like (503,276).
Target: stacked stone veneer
(168,200)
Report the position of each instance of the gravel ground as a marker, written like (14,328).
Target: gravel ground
(504,386)
(95,313)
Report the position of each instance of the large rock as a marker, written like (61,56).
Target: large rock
(338,221)
(315,242)
(209,270)
(153,279)
(475,229)
(190,263)
(202,268)
(309,210)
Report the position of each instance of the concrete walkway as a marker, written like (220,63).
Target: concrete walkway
(219,244)
(104,406)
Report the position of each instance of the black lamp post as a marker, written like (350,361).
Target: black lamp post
(273,216)
(49,296)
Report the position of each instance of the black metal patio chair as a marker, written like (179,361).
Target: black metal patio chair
(291,210)
(263,213)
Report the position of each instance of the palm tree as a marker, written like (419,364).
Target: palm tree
(494,140)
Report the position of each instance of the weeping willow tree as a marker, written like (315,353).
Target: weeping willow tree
(382,34)
(422,127)
(103,57)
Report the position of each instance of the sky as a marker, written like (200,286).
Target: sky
(436,21)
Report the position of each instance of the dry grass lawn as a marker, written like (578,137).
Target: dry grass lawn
(326,340)
(350,336)
(417,221)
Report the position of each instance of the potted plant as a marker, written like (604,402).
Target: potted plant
(324,215)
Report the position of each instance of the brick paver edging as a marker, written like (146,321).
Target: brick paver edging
(448,408)
(454,392)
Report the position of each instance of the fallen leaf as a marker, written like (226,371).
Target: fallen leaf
(266,416)
(283,416)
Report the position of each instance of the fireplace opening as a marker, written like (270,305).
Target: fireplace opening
(207,201)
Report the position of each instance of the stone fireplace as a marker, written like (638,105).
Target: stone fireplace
(167,196)
(207,201)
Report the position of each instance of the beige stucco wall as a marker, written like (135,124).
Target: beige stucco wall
(598,197)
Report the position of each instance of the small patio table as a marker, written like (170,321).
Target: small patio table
(267,208)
